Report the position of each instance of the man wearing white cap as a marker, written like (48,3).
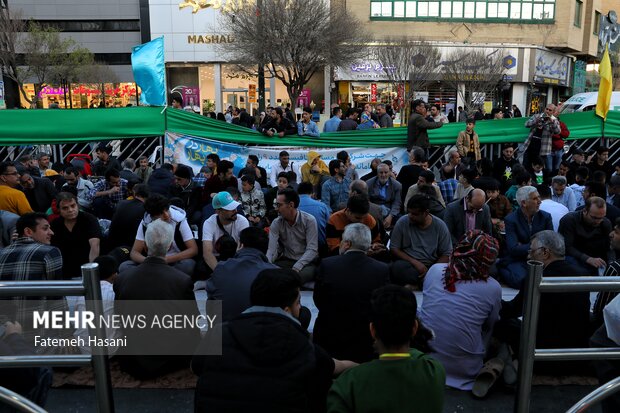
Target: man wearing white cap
(224,223)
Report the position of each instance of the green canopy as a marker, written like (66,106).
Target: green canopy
(48,126)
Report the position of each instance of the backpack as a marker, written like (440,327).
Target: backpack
(178,237)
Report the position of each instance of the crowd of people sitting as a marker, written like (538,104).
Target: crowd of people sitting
(361,244)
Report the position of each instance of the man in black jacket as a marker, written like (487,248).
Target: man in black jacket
(268,363)
(126,219)
(164,287)
(279,126)
(189,194)
(344,285)
(39,191)
(417,127)
(564,318)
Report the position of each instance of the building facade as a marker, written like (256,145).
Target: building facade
(543,42)
(109,29)
(199,67)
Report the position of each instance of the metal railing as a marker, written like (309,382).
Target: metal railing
(528,353)
(90,288)
(121,148)
(19,402)
(596,396)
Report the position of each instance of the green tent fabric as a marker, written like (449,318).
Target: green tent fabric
(45,126)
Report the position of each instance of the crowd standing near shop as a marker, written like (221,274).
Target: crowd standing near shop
(362,245)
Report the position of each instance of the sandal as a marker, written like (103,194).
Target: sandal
(491,370)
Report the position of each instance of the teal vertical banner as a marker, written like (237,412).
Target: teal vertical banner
(149,71)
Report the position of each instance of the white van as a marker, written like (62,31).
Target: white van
(583,102)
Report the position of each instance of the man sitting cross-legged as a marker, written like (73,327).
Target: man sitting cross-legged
(342,294)
(418,241)
(293,236)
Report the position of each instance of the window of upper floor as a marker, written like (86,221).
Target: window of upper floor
(490,11)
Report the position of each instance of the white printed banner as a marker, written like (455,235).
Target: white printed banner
(193,151)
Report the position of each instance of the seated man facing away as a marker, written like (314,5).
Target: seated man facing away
(563,318)
(160,288)
(521,224)
(183,247)
(460,305)
(268,363)
(293,237)
(231,280)
(418,241)
(403,379)
(342,294)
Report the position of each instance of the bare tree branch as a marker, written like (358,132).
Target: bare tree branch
(294,39)
(474,73)
(412,62)
(47,57)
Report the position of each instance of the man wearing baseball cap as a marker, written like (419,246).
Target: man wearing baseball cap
(225,223)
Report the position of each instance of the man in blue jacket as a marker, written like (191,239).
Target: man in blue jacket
(520,226)
(232,279)
(306,126)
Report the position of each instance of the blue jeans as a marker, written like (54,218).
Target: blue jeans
(513,273)
(552,161)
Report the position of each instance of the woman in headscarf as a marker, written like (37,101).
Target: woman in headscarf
(460,305)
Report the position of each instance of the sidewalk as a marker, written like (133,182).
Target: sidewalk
(545,399)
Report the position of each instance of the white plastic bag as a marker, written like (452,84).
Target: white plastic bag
(611,314)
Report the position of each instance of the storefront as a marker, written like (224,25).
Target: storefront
(530,77)
(82,95)
(198,70)
(550,80)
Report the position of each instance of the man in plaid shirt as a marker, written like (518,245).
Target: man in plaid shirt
(542,127)
(106,194)
(30,258)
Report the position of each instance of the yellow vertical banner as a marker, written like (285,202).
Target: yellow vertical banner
(605,86)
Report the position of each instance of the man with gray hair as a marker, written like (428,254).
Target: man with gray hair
(521,224)
(386,191)
(127,172)
(156,281)
(344,285)
(561,194)
(563,318)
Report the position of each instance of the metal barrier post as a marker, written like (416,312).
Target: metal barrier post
(101,366)
(528,336)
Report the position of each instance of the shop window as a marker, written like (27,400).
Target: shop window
(578,7)
(501,11)
(597,23)
(410,9)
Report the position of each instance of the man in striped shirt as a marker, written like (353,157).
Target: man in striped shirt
(30,258)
